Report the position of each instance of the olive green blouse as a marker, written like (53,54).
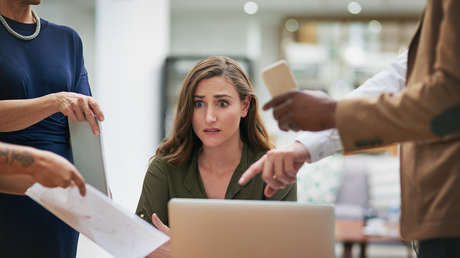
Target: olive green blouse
(164,181)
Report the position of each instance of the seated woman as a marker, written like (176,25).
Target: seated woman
(217,135)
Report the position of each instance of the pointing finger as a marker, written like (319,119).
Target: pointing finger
(253,170)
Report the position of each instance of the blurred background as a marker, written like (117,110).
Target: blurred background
(137,53)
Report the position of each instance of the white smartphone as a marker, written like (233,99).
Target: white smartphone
(278,78)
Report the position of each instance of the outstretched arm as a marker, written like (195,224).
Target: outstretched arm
(21,166)
(18,114)
(391,80)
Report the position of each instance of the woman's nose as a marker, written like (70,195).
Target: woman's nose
(210,115)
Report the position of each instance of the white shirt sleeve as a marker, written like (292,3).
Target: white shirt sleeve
(325,143)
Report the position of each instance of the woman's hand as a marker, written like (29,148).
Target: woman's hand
(164,251)
(18,114)
(79,107)
(159,225)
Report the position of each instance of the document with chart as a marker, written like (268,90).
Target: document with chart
(119,232)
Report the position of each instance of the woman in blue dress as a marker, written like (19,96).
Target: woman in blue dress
(43,81)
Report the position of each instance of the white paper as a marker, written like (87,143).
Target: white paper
(97,217)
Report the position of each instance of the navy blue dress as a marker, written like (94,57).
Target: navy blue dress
(52,62)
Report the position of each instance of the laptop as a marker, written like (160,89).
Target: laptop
(203,228)
(88,155)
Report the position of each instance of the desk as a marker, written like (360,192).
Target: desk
(350,232)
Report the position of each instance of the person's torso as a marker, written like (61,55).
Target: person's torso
(430,170)
(48,64)
(52,62)
(186,181)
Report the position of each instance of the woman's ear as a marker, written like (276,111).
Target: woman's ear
(245,106)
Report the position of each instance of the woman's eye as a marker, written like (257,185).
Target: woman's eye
(223,103)
(198,104)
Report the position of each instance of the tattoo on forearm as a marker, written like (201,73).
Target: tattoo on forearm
(4,154)
(10,156)
(26,159)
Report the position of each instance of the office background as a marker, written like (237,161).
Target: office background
(331,45)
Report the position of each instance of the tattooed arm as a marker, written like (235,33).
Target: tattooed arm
(21,166)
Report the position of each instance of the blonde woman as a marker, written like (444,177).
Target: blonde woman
(217,135)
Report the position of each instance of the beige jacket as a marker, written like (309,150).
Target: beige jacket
(425,117)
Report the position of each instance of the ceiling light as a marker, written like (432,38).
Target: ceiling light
(375,26)
(250,7)
(354,7)
(292,25)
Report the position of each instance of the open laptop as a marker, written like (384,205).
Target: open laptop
(202,228)
(88,155)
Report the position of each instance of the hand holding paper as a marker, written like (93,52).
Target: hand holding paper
(96,216)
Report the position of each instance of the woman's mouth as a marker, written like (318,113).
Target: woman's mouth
(211,131)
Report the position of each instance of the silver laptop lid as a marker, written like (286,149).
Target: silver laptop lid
(88,155)
(237,229)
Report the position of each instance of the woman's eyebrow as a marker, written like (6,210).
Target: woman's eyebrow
(222,96)
(215,96)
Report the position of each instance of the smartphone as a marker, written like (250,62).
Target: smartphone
(278,78)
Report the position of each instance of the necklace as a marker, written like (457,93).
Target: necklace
(19,36)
